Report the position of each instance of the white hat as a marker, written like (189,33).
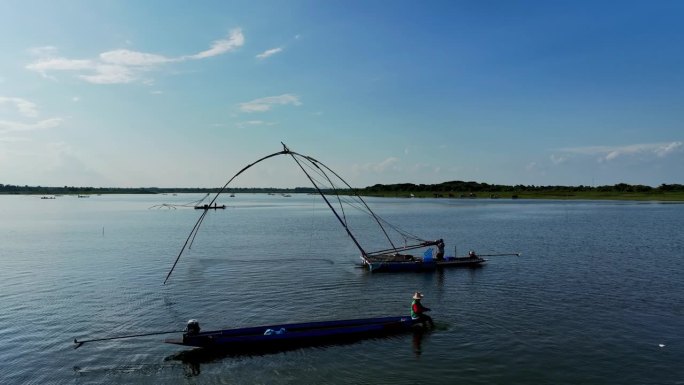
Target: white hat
(418,295)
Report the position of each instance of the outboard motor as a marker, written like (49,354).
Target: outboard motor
(193,327)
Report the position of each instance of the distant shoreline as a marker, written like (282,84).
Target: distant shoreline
(447,190)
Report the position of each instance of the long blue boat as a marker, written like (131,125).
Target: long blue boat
(419,264)
(295,334)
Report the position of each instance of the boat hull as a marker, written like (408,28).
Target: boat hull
(298,334)
(206,207)
(419,265)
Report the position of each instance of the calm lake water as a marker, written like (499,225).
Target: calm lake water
(597,296)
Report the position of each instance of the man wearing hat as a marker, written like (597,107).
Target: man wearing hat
(418,310)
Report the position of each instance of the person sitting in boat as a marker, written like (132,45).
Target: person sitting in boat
(472,254)
(440,250)
(418,310)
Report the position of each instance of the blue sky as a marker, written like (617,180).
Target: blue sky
(177,93)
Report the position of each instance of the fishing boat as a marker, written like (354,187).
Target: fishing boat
(402,262)
(207,207)
(392,258)
(281,337)
(295,334)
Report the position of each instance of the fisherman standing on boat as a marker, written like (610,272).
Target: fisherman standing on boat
(472,254)
(440,250)
(418,310)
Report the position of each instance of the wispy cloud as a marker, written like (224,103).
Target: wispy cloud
(24,110)
(23,106)
(9,139)
(121,65)
(610,153)
(557,159)
(268,53)
(253,123)
(265,104)
(10,126)
(45,64)
(235,40)
(390,163)
(125,57)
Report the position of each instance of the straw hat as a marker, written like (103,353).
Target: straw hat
(418,295)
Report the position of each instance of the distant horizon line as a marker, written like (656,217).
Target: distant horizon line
(4,187)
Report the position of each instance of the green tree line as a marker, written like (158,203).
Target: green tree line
(445,187)
(461,186)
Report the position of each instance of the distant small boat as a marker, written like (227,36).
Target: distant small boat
(47,197)
(296,334)
(207,207)
(84,196)
(232,195)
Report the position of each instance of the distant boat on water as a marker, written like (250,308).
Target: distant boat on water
(210,207)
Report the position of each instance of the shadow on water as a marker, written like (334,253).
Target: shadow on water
(193,359)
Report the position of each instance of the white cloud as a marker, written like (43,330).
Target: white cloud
(25,107)
(265,104)
(126,57)
(252,123)
(269,52)
(10,126)
(42,66)
(121,65)
(235,40)
(610,153)
(667,148)
(111,74)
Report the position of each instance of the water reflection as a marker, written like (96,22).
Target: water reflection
(417,342)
